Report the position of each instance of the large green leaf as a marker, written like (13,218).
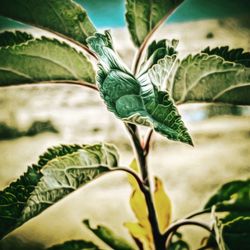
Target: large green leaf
(109,237)
(43,60)
(135,100)
(231,234)
(9,38)
(232,229)
(144,16)
(14,197)
(236,233)
(65,18)
(59,171)
(232,196)
(75,245)
(233,55)
(209,78)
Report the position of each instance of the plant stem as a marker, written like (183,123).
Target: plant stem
(139,151)
(142,151)
(146,145)
(205,211)
(159,241)
(134,174)
(180,223)
(70,82)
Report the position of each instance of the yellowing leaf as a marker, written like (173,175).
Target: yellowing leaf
(140,230)
(139,233)
(162,206)
(133,165)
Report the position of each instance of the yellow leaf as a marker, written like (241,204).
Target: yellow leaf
(133,165)
(140,234)
(162,206)
(139,207)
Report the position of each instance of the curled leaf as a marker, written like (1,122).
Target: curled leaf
(135,100)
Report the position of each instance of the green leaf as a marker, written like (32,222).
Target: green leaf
(108,236)
(59,171)
(160,56)
(209,78)
(144,16)
(75,245)
(135,100)
(232,196)
(236,233)
(159,73)
(233,55)
(231,233)
(43,60)
(9,38)
(14,197)
(232,229)
(65,18)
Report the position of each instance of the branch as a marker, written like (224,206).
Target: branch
(146,144)
(70,82)
(139,151)
(134,174)
(180,223)
(205,211)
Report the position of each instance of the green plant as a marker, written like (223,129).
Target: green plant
(146,95)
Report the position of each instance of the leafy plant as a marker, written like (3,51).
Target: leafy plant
(147,95)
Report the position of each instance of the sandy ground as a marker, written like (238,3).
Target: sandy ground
(190,175)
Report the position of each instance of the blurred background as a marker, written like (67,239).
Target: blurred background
(34,118)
